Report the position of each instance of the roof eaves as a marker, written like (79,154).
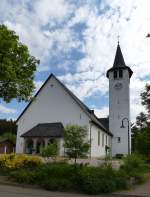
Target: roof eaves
(104,129)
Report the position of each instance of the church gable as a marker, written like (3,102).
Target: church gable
(52,104)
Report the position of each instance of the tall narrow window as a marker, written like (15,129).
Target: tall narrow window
(80,116)
(98,138)
(115,74)
(119,139)
(120,74)
(109,141)
(103,139)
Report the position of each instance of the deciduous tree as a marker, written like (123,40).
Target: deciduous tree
(145,96)
(17,67)
(76,142)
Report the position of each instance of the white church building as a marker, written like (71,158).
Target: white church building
(55,106)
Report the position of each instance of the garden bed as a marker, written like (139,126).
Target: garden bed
(69,177)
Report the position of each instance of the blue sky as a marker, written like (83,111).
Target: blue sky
(76,40)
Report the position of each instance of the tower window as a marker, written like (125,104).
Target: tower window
(115,74)
(120,74)
(119,139)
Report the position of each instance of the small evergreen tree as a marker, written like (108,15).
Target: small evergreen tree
(141,120)
(76,142)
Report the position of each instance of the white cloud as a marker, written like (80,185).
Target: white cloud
(43,24)
(47,11)
(6,110)
(38,24)
(38,85)
(102,112)
(43,68)
(131,20)
(85,84)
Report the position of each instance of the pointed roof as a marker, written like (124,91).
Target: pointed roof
(89,112)
(119,62)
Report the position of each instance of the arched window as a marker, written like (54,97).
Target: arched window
(115,74)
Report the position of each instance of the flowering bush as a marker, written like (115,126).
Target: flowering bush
(15,161)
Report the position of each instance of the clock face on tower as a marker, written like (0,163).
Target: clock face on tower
(118,86)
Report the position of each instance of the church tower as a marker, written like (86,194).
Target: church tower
(119,104)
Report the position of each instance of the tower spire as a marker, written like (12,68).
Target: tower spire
(118,37)
(119,60)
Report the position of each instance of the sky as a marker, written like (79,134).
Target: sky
(76,40)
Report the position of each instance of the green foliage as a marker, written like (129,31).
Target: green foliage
(132,162)
(17,67)
(75,141)
(56,176)
(65,177)
(134,167)
(141,132)
(50,151)
(57,184)
(23,176)
(81,178)
(8,126)
(142,142)
(145,96)
(9,136)
(141,120)
(17,161)
(103,179)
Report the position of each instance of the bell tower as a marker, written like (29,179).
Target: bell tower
(119,104)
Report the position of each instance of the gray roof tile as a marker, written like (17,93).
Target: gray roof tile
(46,130)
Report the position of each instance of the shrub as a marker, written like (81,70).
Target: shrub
(15,161)
(60,170)
(132,163)
(147,159)
(134,167)
(23,176)
(94,180)
(50,176)
(54,184)
(50,151)
(65,177)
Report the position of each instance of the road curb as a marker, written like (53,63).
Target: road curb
(10,183)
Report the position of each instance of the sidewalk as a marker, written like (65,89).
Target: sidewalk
(139,190)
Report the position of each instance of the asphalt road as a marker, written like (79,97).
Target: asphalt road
(13,191)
